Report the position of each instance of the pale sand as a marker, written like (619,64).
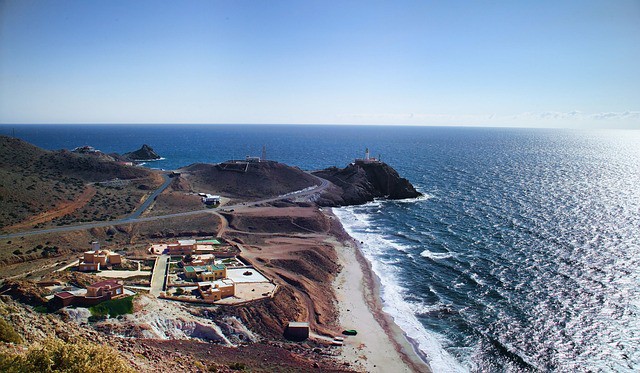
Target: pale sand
(380,345)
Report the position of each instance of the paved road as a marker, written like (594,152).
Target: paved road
(129,220)
(159,273)
(136,214)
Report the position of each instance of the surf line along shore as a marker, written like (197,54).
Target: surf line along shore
(380,345)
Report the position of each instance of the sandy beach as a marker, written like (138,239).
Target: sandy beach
(380,345)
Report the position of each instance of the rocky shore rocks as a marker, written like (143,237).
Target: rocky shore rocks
(362,182)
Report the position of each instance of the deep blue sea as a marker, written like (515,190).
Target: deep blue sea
(523,255)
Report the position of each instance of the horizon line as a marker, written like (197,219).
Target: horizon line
(317,124)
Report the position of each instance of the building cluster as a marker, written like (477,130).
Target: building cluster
(95,259)
(212,281)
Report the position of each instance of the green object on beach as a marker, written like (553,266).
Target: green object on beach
(350,332)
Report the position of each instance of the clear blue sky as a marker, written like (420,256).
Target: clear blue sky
(511,63)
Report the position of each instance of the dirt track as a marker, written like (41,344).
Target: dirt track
(60,210)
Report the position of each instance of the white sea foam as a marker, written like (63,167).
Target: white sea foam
(435,256)
(423,197)
(356,222)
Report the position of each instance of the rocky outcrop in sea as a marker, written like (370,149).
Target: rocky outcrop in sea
(145,153)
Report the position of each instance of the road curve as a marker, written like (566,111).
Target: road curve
(136,214)
(324,184)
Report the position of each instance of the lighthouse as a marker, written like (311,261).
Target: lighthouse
(366,155)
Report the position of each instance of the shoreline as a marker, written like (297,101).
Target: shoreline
(381,346)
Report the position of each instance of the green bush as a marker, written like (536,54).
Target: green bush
(55,355)
(8,334)
(113,308)
(41,309)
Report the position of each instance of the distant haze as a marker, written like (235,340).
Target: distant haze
(510,63)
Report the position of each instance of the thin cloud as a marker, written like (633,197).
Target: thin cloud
(574,118)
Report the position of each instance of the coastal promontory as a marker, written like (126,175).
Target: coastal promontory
(363,181)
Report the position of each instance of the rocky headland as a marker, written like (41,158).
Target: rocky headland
(362,182)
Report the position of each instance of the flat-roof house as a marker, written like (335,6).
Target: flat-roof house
(297,331)
(88,267)
(201,260)
(94,259)
(96,293)
(216,290)
(209,272)
(210,199)
(106,288)
(64,299)
(182,247)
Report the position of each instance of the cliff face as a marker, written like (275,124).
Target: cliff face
(361,182)
(145,153)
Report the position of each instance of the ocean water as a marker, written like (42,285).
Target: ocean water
(523,255)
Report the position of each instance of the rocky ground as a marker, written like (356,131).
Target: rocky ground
(168,336)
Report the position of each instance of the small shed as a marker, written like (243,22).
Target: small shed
(297,331)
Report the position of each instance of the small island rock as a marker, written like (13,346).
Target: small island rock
(145,153)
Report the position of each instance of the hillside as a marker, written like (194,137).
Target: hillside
(260,180)
(362,182)
(35,181)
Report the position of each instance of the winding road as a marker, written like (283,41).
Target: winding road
(145,205)
(135,216)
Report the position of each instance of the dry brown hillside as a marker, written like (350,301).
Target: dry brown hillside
(260,180)
(38,186)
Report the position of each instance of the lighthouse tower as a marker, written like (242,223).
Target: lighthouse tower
(366,155)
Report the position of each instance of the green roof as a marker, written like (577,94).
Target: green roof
(210,241)
(210,267)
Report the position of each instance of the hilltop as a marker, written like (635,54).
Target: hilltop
(248,179)
(34,181)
